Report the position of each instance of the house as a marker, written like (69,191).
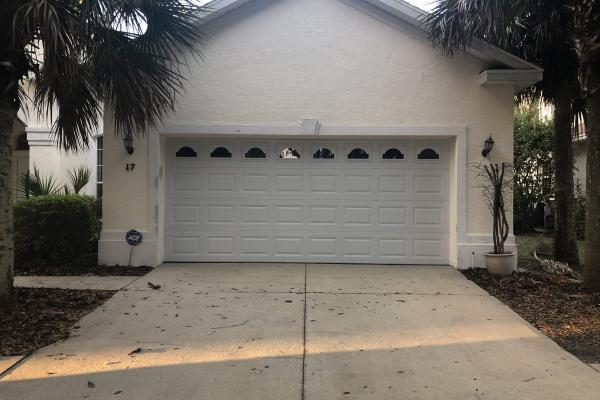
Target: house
(34,146)
(580,156)
(324,131)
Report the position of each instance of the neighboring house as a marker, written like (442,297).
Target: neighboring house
(580,155)
(34,146)
(20,157)
(317,131)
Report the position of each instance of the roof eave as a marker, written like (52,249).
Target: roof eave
(518,78)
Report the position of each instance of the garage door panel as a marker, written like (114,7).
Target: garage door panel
(325,210)
(292,214)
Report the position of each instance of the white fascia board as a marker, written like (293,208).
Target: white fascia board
(519,78)
(217,8)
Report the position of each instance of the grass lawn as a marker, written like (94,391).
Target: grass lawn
(527,243)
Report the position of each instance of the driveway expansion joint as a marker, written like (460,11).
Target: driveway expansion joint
(304,332)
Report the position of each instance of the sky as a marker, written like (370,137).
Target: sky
(424,4)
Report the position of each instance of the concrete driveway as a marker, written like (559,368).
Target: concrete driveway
(296,331)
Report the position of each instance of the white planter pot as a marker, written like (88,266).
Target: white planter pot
(500,264)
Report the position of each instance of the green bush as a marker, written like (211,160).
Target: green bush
(56,230)
(534,167)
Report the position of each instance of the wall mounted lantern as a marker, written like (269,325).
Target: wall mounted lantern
(128,143)
(487,146)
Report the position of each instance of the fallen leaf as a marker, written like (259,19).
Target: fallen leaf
(153,286)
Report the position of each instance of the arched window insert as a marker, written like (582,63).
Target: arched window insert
(289,153)
(186,152)
(428,154)
(358,154)
(220,152)
(255,152)
(323,153)
(393,154)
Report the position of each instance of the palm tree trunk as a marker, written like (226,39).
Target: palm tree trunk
(7,118)
(591,272)
(565,240)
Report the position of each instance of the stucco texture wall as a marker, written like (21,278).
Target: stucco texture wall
(281,61)
(44,153)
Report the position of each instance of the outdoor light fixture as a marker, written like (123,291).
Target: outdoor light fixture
(487,146)
(128,143)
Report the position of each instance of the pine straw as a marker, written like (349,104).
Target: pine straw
(43,316)
(562,308)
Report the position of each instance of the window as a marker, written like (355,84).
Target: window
(289,154)
(186,152)
(323,152)
(220,152)
(393,154)
(255,152)
(358,154)
(99,165)
(428,154)
(22,143)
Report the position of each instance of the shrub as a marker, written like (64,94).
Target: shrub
(56,230)
(534,167)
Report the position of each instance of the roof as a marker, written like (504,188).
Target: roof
(505,68)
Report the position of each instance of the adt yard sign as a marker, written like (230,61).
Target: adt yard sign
(133,237)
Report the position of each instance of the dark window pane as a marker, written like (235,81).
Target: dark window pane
(256,152)
(220,152)
(22,143)
(393,154)
(289,153)
(358,154)
(428,154)
(323,153)
(186,152)
(99,174)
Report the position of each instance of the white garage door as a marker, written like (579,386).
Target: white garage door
(340,201)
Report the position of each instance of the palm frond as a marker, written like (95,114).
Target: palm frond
(34,184)
(130,55)
(78,177)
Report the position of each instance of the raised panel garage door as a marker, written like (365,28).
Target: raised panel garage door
(339,201)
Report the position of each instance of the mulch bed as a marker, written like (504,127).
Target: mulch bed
(43,316)
(562,308)
(97,270)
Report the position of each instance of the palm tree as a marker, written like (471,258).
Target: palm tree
(541,32)
(588,48)
(125,55)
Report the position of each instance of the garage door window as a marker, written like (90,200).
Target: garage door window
(220,152)
(393,154)
(358,154)
(186,152)
(428,154)
(323,153)
(256,152)
(289,153)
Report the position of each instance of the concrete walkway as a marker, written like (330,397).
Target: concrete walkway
(296,331)
(75,282)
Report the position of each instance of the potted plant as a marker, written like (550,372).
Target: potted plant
(495,181)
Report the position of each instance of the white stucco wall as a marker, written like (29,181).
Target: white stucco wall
(44,152)
(278,62)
